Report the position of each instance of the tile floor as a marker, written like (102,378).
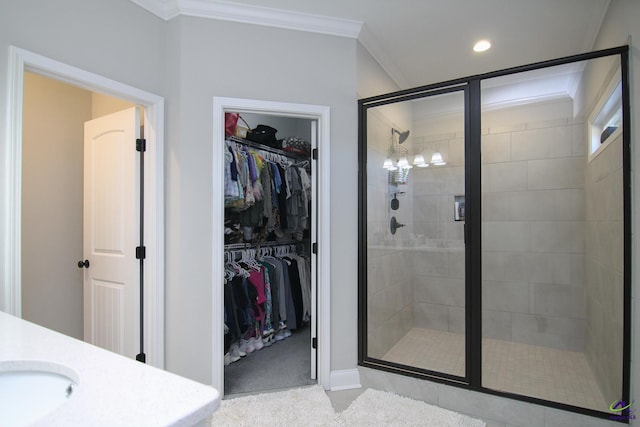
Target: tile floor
(546,373)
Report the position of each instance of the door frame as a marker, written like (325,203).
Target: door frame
(21,60)
(322,206)
(473,231)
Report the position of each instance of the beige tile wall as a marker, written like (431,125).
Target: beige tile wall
(604,268)
(551,242)
(533,234)
(389,286)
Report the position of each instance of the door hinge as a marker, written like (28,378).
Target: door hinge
(141,252)
(314,154)
(314,248)
(314,342)
(141,145)
(466,235)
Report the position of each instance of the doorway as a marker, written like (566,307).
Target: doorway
(153,313)
(55,116)
(318,118)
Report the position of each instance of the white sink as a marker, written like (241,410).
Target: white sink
(31,389)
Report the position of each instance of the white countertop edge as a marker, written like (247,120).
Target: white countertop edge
(112,389)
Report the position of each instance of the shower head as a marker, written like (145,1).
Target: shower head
(402,136)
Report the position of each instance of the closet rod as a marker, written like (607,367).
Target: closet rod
(249,245)
(264,147)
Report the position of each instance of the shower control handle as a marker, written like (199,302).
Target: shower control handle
(394,225)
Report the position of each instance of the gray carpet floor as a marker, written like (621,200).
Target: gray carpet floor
(285,364)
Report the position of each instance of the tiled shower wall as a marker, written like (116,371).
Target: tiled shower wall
(533,236)
(533,233)
(438,260)
(604,267)
(389,287)
(535,240)
(390,293)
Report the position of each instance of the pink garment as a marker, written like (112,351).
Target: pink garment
(256,278)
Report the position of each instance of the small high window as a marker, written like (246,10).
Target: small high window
(605,123)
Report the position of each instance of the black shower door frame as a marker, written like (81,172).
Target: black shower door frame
(471,86)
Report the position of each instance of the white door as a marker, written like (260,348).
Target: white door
(111,296)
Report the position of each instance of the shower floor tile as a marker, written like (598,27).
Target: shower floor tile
(546,373)
(430,349)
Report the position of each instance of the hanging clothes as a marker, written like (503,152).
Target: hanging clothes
(265,298)
(264,198)
(267,293)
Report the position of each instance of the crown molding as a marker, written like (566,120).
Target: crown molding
(250,14)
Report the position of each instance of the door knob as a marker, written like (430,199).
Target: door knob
(84,263)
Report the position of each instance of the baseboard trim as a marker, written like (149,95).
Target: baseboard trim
(345,379)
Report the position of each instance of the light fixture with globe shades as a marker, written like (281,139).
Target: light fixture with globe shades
(436,159)
(419,161)
(398,156)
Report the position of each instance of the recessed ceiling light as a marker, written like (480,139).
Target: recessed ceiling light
(482,46)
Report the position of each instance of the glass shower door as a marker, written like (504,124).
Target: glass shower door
(495,233)
(553,242)
(415,250)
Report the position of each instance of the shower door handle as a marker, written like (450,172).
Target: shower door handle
(394,225)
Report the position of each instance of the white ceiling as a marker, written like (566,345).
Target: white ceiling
(423,41)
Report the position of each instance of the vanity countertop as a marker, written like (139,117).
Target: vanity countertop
(112,390)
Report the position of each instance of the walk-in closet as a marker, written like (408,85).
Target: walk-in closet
(268,292)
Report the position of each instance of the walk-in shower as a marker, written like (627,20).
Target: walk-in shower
(506,266)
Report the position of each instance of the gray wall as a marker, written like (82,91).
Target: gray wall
(372,79)
(258,65)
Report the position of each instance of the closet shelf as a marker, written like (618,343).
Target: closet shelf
(253,245)
(265,148)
